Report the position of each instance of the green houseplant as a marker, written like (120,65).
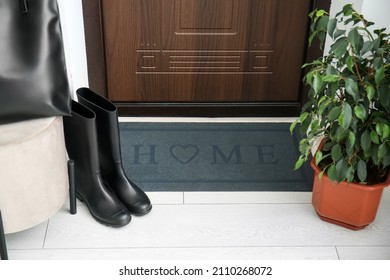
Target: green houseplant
(348,106)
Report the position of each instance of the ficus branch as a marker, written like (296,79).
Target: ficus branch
(356,66)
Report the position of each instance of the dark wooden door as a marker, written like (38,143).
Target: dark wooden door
(238,51)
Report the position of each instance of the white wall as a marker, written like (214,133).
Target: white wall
(377,11)
(337,5)
(373,10)
(74,42)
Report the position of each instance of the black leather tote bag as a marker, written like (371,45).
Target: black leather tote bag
(33,77)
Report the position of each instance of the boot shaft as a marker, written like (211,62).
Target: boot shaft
(106,124)
(80,138)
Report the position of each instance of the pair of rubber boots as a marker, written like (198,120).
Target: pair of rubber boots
(92,141)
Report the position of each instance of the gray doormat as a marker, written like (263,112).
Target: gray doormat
(213,157)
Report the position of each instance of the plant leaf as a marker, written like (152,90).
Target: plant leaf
(374,154)
(305,126)
(352,89)
(331,70)
(323,104)
(320,13)
(370,92)
(312,36)
(321,174)
(379,75)
(347,116)
(303,116)
(293,125)
(334,113)
(362,171)
(340,47)
(299,162)
(360,112)
(379,129)
(348,9)
(365,140)
(382,151)
(367,46)
(374,137)
(331,172)
(375,44)
(317,82)
(385,131)
(350,174)
(322,23)
(384,95)
(319,157)
(342,169)
(350,142)
(356,40)
(336,152)
(386,160)
(377,63)
(338,33)
(332,26)
(331,78)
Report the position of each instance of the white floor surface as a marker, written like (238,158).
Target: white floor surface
(207,225)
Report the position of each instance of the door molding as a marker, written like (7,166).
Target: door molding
(94,39)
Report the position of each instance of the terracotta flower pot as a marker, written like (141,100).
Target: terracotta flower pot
(350,205)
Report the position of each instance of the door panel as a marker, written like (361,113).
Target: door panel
(204,50)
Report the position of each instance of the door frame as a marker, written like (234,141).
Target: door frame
(97,76)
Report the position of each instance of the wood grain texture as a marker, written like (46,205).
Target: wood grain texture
(97,69)
(205,50)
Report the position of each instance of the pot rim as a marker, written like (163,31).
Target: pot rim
(374,187)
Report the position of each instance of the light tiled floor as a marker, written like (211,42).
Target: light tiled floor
(207,225)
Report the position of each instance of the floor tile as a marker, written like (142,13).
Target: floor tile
(32,238)
(242,225)
(211,253)
(165,197)
(246,197)
(364,253)
(208,226)
(386,195)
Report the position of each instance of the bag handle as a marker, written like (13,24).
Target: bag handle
(23,6)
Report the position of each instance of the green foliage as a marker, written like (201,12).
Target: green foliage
(349,97)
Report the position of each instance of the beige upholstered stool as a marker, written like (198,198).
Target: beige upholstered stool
(33,172)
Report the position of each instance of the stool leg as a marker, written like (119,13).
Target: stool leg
(3,245)
(72,188)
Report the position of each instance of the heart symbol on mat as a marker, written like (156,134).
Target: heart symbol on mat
(184,153)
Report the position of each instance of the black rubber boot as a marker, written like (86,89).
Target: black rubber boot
(110,153)
(82,147)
